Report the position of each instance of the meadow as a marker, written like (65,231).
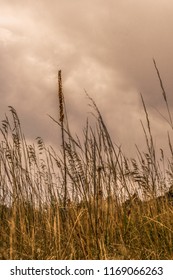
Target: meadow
(85,200)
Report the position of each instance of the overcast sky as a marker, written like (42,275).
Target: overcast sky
(104,47)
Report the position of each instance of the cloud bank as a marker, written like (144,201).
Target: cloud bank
(104,47)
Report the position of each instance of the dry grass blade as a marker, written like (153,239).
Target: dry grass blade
(164,94)
(85,200)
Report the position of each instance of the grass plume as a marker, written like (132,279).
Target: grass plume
(85,200)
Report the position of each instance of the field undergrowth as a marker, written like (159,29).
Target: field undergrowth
(87,200)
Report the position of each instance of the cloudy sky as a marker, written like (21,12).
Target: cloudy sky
(104,47)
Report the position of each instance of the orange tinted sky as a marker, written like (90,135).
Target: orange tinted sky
(104,47)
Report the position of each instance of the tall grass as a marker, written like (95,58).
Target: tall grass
(87,200)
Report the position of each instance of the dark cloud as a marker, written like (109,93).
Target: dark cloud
(105,47)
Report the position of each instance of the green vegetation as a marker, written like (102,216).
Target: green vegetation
(88,201)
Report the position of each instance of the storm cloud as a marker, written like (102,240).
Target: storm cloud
(104,47)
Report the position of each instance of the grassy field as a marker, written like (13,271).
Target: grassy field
(87,200)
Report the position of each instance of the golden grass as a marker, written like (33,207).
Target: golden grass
(82,202)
